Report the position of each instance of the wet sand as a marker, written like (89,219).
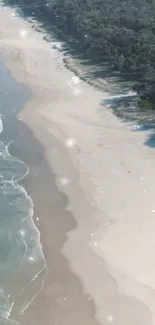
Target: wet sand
(86,197)
(63,299)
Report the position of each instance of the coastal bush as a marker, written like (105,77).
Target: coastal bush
(120,32)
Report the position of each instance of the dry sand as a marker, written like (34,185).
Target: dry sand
(108,177)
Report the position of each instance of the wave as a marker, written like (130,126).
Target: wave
(21,254)
(1,125)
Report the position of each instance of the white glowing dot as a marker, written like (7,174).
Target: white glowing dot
(144,190)
(23,32)
(141,178)
(13,14)
(31,259)
(95,244)
(110,318)
(122,196)
(91,234)
(37,219)
(89,298)
(58,45)
(65,298)
(6,8)
(92,203)
(41,89)
(77,91)
(75,79)
(22,232)
(70,142)
(47,4)
(135,127)
(64,181)
(153,211)
(86,36)
(9,296)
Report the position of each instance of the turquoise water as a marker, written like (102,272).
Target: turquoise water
(22,263)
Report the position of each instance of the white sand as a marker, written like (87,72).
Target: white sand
(108,175)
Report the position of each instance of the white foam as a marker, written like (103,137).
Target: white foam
(6,152)
(1,125)
(58,45)
(128,94)
(22,232)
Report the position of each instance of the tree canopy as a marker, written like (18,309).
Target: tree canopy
(121,32)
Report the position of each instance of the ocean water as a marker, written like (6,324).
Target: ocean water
(22,263)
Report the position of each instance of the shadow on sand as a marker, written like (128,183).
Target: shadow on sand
(94,72)
(55,222)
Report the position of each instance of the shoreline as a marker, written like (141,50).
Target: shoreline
(86,310)
(51,118)
(54,287)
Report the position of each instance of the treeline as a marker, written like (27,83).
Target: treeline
(121,32)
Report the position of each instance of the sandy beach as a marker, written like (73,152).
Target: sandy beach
(92,183)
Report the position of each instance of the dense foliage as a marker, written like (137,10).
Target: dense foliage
(121,32)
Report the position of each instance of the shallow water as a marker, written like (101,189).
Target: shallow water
(21,257)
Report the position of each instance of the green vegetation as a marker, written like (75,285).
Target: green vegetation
(146,104)
(121,32)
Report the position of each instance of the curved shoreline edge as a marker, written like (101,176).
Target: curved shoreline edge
(103,160)
(30,226)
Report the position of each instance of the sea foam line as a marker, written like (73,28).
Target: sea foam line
(30,216)
(1,125)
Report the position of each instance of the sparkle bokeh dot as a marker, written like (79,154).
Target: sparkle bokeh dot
(64,181)
(110,318)
(70,142)
(23,33)
(31,259)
